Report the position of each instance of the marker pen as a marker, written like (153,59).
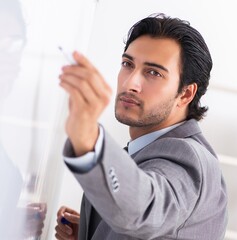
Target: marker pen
(65,221)
(68,56)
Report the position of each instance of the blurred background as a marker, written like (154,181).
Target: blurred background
(33,107)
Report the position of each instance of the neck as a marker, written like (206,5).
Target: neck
(136,132)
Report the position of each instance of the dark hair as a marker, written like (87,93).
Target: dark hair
(196,62)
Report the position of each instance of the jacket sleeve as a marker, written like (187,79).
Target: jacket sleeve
(146,197)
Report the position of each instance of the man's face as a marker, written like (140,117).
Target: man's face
(148,83)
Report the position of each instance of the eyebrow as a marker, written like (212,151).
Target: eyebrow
(150,64)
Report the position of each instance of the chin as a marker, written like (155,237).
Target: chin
(128,121)
(122,119)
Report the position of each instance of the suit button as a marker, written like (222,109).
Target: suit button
(114,180)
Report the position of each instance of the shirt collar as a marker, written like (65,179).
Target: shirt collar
(139,143)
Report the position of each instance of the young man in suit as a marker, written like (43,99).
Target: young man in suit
(169,184)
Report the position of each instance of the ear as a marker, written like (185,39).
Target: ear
(187,94)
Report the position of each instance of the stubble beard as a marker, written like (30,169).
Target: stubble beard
(153,117)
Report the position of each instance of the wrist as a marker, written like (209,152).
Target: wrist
(84,144)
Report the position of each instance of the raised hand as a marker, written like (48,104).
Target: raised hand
(89,94)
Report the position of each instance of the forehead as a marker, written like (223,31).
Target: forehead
(160,50)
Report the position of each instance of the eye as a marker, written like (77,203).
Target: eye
(154,73)
(126,64)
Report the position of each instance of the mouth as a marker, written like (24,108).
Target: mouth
(128,101)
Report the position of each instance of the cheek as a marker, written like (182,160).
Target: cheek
(119,81)
(154,96)
(163,90)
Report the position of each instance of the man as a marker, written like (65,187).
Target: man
(169,184)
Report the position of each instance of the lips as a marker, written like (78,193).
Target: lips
(129,100)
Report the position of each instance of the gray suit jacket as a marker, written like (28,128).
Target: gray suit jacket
(171,189)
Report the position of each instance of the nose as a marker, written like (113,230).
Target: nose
(133,82)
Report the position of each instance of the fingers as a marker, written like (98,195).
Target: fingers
(88,83)
(33,228)
(67,231)
(82,60)
(63,231)
(75,96)
(85,76)
(73,218)
(38,210)
(41,205)
(90,74)
(84,89)
(34,219)
(70,214)
(64,209)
